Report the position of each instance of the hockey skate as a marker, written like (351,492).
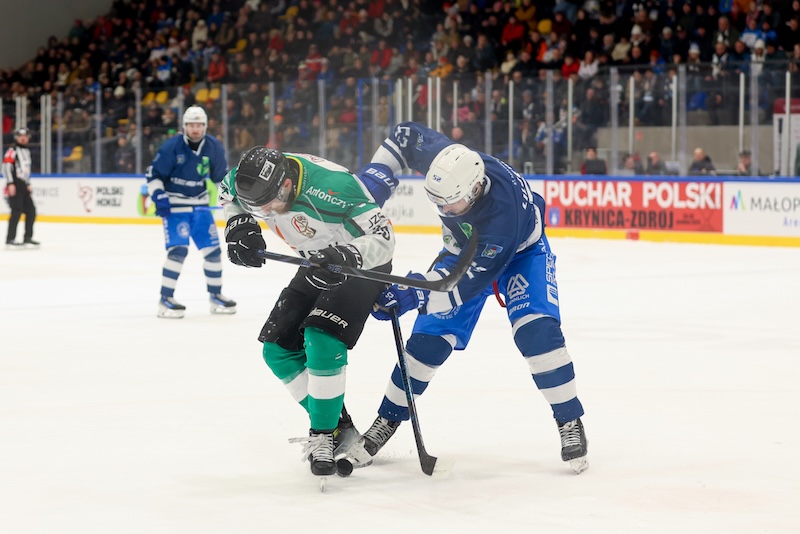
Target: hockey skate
(378,434)
(13,245)
(318,450)
(169,308)
(30,243)
(221,305)
(574,446)
(347,443)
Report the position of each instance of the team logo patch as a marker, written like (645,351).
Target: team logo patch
(183,229)
(491,251)
(516,286)
(204,167)
(300,223)
(181,159)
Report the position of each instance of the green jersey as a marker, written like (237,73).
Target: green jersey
(332,207)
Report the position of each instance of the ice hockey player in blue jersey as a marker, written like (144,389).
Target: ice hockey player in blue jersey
(176,182)
(474,192)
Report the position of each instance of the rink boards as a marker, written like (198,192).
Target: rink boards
(732,210)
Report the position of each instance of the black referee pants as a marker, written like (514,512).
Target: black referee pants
(21,203)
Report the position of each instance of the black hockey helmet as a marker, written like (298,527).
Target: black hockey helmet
(260,174)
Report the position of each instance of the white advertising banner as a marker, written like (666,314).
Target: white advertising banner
(765,208)
(409,206)
(85,196)
(109,196)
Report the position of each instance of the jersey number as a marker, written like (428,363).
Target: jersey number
(402,133)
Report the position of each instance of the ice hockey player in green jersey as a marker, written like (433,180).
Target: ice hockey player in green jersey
(330,216)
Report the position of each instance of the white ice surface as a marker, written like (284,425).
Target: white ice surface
(114,421)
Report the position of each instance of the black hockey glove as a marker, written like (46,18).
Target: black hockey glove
(323,278)
(244,239)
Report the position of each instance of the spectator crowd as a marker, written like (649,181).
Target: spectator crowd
(182,47)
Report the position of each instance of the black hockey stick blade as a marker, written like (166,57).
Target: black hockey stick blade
(445,284)
(426,461)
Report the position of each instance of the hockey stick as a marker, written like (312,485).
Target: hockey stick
(190,209)
(426,461)
(445,284)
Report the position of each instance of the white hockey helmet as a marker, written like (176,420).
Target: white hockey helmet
(194,115)
(456,173)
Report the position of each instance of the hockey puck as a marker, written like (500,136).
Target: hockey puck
(344,468)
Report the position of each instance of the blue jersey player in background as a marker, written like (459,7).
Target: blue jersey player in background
(176,181)
(474,192)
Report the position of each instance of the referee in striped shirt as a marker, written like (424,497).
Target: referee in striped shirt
(17,172)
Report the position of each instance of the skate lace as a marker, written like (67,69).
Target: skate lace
(380,431)
(570,434)
(316,446)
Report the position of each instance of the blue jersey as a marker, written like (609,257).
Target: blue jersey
(507,217)
(182,172)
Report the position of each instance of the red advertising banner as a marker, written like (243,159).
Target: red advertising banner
(634,205)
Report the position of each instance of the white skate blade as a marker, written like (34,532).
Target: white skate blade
(166,313)
(323,482)
(579,465)
(222,310)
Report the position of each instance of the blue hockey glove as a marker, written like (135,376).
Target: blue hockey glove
(403,297)
(243,235)
(161,200)
(379,180)
(322,277)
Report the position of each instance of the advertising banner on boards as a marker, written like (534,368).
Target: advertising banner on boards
(88,197)
(634,205)
(754,210)
(762,208)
